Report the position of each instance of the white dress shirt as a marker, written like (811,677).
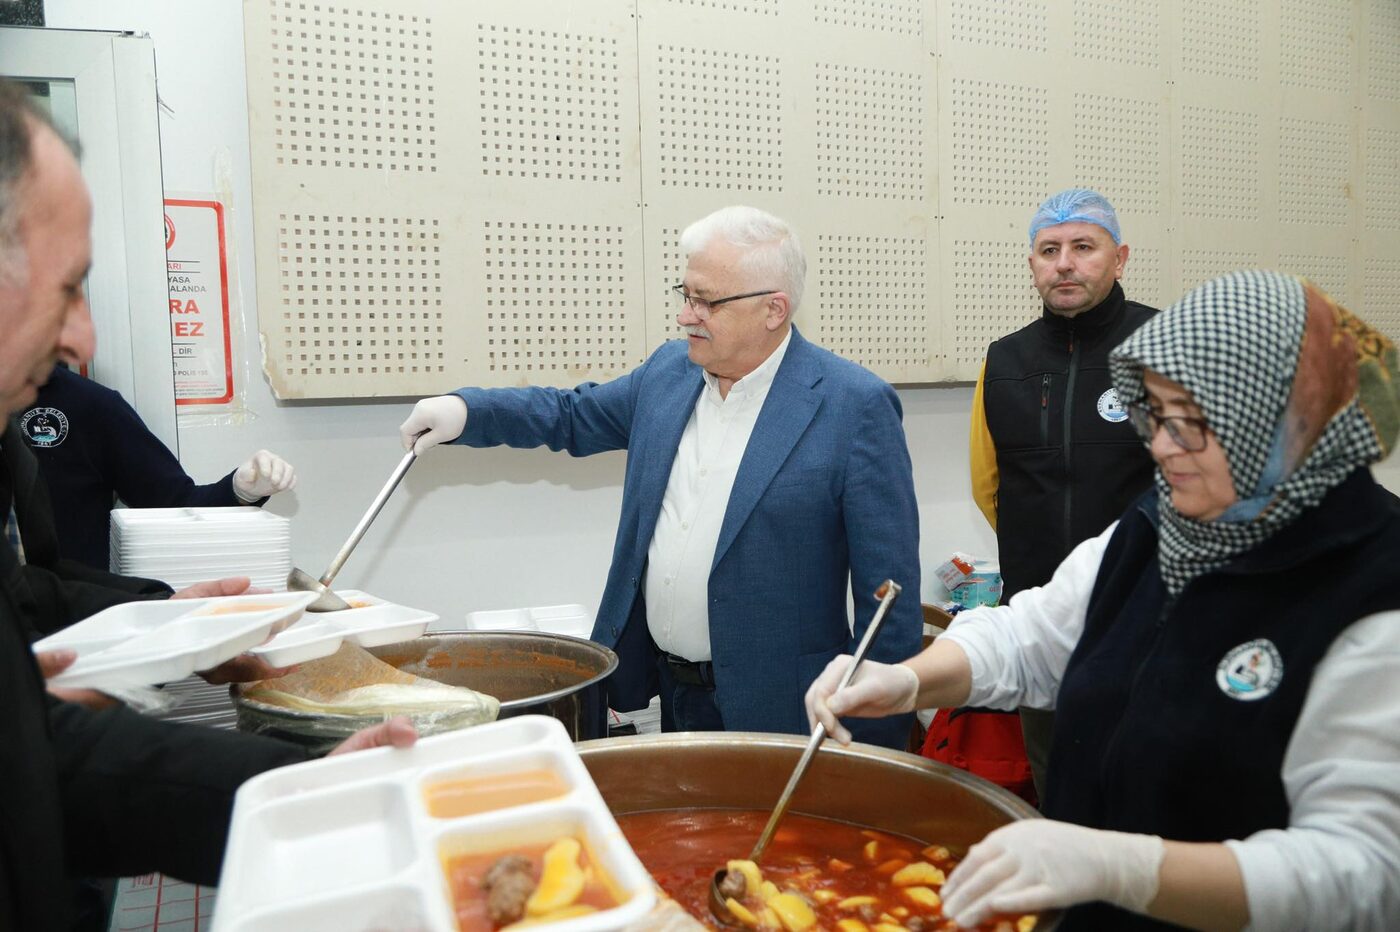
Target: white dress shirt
(1337,864)
(677,582)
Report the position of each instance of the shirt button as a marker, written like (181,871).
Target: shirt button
(704,471)
(668,580)
(685,526)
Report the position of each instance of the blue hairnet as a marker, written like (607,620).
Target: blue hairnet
(1076,205)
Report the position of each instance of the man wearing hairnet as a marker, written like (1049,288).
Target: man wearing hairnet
(1054,459)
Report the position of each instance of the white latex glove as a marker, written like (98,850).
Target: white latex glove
(878,689)
(264,474)
(1038,864)
(440,419)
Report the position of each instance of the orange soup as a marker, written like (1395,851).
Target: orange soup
(842,871)
(471,795)
(467,877)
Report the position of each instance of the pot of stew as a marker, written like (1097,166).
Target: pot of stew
(868,826)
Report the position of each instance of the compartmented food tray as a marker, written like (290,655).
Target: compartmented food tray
(396,839)
(369,622)
(142,643)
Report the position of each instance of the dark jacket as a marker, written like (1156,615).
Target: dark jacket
(1147,738)
(1068,460)
(103,793)
(92,446)
(69,590)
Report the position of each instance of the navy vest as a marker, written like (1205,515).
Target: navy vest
(1146,737)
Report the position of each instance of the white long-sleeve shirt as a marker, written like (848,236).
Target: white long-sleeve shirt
(1337,865)
(677,583)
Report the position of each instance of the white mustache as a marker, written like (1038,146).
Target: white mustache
(695,330)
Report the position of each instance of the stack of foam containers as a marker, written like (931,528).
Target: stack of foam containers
(347,843)
(183,546)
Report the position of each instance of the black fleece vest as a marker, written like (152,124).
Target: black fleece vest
(1069,461)
(1147,739)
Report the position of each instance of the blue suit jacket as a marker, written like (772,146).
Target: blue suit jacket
(824,496)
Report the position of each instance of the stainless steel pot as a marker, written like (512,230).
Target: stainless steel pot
(865,785)
(530,672)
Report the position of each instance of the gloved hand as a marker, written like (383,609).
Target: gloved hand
(440,419)
(264,474)
(878,689)
(1039,864)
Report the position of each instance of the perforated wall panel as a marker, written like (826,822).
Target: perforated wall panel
(1382,174)
(1328,272)
(352,88)
(364,294)
(550,103)
(1221,40)
(1120,150)
(1383,50)
(992,296)
(904,17)
(493,194)
(1315,160)
(1001,141)
(1381,295)
(870,133)
(1318,50)
(1127,32)
(874,297)
(1220,163)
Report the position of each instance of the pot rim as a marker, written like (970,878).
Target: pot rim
(985,790)
(236,692)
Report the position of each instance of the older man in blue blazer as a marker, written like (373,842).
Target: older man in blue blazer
(764,474)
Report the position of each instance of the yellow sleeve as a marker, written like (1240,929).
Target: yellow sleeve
(983,455)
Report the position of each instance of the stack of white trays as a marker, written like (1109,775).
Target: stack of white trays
(348,843)
(182,546)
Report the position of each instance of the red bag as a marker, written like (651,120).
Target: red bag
(985,742)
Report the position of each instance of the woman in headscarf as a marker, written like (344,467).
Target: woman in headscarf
(1224,660)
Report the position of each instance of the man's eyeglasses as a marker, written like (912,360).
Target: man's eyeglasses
(1189,433)
(702,308)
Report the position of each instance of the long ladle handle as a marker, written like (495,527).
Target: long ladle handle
(375,507)
(891,591)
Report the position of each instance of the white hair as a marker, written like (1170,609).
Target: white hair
(770,247)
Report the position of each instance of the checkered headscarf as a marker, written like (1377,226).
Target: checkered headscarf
(1298,391)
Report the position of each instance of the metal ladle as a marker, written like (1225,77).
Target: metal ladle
(302,581)
(887,593)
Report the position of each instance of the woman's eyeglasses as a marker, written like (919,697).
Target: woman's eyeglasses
(1189,433)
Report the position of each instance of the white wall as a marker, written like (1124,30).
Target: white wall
(468,529)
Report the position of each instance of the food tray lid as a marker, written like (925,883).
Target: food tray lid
(147,642)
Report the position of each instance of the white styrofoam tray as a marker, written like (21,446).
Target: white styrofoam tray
(142,643)
(320,634)
(347,843)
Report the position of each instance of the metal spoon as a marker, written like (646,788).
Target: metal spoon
(328,601)
(887,593)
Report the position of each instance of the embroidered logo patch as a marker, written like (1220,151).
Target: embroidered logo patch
(1110,408)
(1251,671)
(44,427)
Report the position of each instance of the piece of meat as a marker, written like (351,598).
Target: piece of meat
(508,884)
(733,885)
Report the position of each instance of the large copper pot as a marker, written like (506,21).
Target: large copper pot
(865,785)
